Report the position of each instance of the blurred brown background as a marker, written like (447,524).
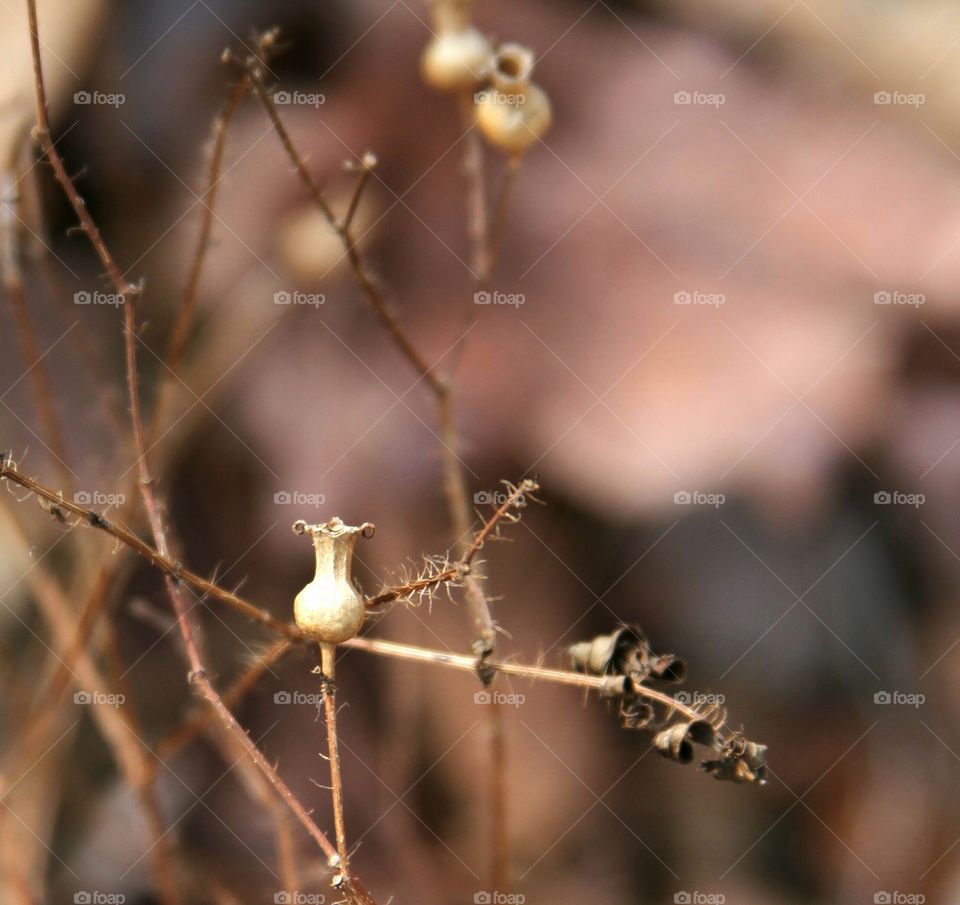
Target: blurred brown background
(787,168)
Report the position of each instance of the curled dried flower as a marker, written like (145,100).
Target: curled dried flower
(668,668)
(635,713)
(622,652)
(740,761)
(677,741)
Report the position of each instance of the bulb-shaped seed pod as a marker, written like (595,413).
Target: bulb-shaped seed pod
(514,113)
(330,608)
(458,55)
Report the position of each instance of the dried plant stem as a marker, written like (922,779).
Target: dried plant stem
(328,657)
(117,726)
(454,483)
(186,731)
(184,319)
(478,221)
(183,322)
(175,588)
(55,503)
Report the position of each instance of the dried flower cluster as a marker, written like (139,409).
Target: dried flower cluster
(634,676)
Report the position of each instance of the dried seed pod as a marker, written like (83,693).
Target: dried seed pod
(329,608)
(668,668)
(514,113)
(619,653)
(635,713)
(458,55)
(740,761)
(676,741)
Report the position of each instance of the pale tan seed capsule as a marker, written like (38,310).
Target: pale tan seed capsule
(330,608)
(513,113)
(458,55)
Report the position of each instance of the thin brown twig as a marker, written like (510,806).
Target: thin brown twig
(184,318)
(478,218)
(175,589)
(328,657)
(181,735)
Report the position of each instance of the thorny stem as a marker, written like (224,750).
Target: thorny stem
(196,723)
(328,656)
(378,647)
(175,588)
(55,503)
